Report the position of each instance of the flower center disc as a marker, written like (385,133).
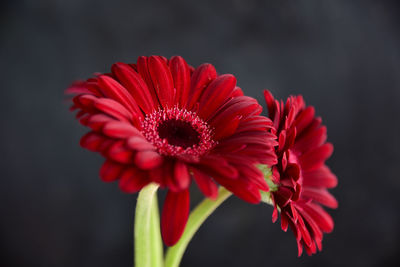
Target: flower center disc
(177,131)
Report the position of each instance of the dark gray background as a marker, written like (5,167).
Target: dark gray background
(343,56)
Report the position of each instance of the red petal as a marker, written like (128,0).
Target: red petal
(93,86)
(319,215)
(162,81)
(263,154)
(181,175)
(293,225)
(259,140)
(237,92)
(285,222)
(136,86)
(283,196)
(143,70)
(293,171)
(248,170)
(304,119)
(216,94)
(201,77)
(310,140)
(168,175)
(320,195)
(241,105)
(315,231)
(181,75)
(312,249)
(80,114)
(139,143)
(118,129)
(112,89)
(78,88)
(290,138)
(315,124)
(241,188)
(205,184)
(297,192)
(113,108)
(315,158)
(299,248)
(269,99)
(292,112)
(275,214)
(305,235)
(254,175)
(174,216)
(157,175)
(234,109)
(147,160)
(97,121)
(256,123)
(92,141)
(322,177)
(282,140)
(110,171)
(103,148)
(120,153)
(226,128)
(215,165)
(85,102)
(133,180)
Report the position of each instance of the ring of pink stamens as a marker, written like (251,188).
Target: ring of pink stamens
(150,129)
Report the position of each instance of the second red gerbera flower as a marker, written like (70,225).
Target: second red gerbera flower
(162,121)
(301,176)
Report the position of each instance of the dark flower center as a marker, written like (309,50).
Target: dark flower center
(178,133)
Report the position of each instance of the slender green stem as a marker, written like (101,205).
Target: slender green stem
(155,236)
(196,218)
(148,246)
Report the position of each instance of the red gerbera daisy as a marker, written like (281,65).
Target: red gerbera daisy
(301,176)
(162,121)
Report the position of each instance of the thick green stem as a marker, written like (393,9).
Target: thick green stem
(196,218)
(148,245)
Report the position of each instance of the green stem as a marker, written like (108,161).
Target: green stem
(155,236)
(148,246)
(196,218)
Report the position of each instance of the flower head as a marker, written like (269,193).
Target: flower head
(163,121)
(301,176)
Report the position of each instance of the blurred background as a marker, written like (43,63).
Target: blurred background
(343,56)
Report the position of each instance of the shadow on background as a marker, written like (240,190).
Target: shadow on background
(343,56)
